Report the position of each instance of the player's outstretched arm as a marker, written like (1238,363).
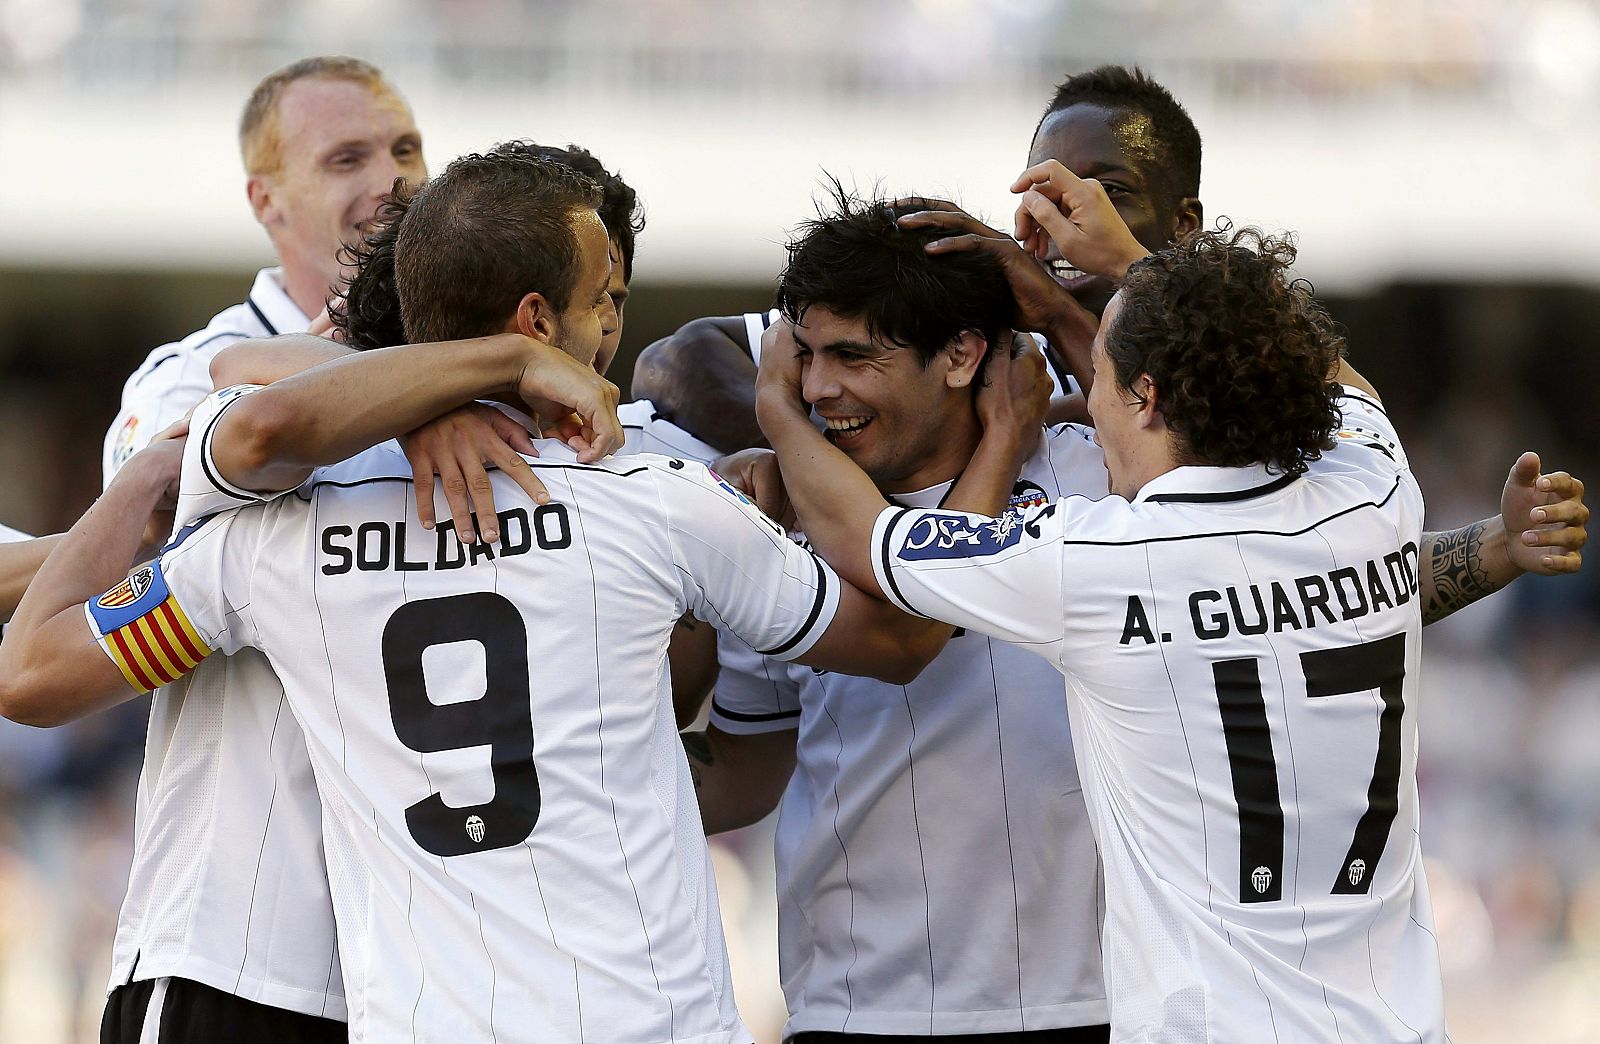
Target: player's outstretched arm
(452,447)
(266,360)
(738,778)
(703,381)
(19,561)
(272,440)
(51,669)
(1541,528)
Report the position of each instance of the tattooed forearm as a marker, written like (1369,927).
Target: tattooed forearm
(1456,573)
(698,748)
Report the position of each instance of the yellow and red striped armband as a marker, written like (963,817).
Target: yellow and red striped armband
(144,630)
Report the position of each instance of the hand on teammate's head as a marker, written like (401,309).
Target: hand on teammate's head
(1014,391)
(1041,302)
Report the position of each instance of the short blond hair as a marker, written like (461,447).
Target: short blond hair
(259,142)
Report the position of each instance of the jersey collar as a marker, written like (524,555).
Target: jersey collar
(934,496)
(272,306)
(1195,484)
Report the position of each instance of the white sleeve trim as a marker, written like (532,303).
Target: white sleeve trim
(824,608)
(209,464)
(883,557)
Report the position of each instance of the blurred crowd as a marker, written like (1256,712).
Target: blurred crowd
(1486,50)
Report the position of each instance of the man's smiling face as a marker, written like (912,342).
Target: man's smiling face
(883,407)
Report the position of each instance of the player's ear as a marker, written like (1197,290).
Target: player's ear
(536,319)
(1189,217)
(963,355)
(1149,398)
(258,189)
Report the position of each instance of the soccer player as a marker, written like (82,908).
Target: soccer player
(513,836)
(457,446)
(903,805)
(227,928)
(1240,630)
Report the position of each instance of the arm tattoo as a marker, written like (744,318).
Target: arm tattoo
(1459,575)
(698,748)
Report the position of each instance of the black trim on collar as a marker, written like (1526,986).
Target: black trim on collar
(271,330)
(1369,400)
(1223,496)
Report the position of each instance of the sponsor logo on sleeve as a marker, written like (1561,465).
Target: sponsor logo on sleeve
(122,448)
(1369,436)
(942,536)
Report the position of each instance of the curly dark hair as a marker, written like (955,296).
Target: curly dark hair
(1176,146)
(1243,356)
(367,310)
(855,261)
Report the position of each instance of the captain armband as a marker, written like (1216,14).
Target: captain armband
(144,630)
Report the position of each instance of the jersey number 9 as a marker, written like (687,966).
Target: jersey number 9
(501,719)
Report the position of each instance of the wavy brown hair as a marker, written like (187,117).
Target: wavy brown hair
(1242,355)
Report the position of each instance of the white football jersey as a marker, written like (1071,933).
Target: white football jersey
(492,730)
(1241,650)
(176,376)
(936,871)
(649,432)
(228,885)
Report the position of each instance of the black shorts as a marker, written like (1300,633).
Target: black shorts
(1065,1035)
(190,1012)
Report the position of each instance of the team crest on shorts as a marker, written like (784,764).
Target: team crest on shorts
(129,591)
(122,448)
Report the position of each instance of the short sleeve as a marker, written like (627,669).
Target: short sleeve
(998,576)
(170,614)
(649,432)
(740,572)
(202,491)
(754,693)
(159,393)
(12,536)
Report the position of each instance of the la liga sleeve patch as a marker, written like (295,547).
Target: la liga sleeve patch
(145,631)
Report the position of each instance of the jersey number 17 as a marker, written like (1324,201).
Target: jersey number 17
(1380,665)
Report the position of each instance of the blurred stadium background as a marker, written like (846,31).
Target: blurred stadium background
(1441,161)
